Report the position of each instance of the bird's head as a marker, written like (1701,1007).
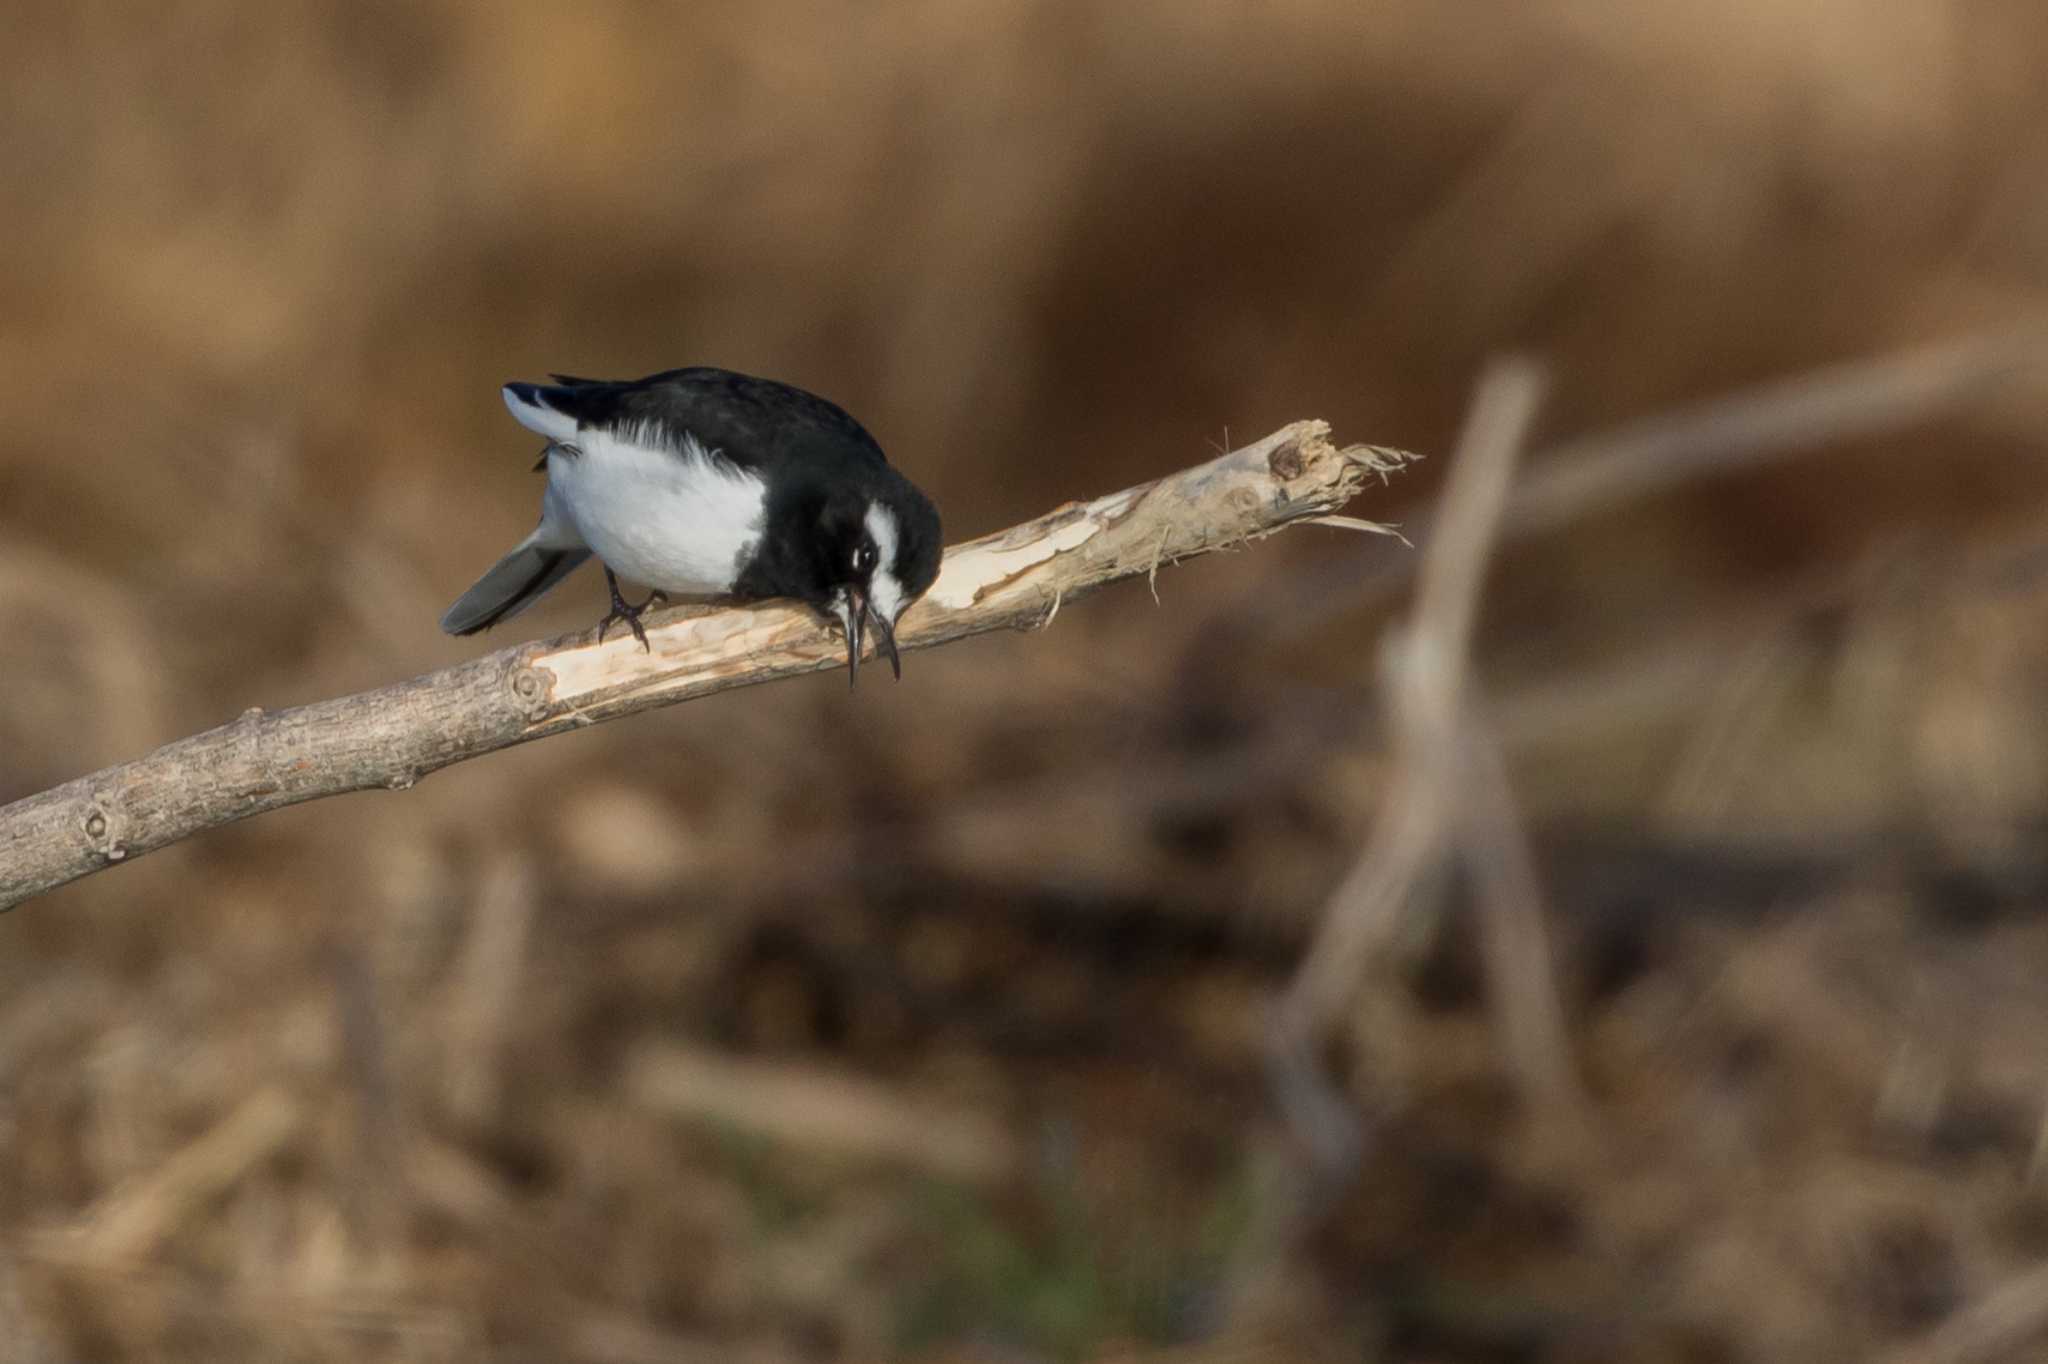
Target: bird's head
(877,551)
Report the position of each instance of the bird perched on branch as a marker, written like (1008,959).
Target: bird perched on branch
(707,483)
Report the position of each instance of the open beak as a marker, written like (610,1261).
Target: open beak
(852,615)
(856,615)
(885,636)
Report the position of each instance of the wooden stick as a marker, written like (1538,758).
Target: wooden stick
(822,1109)
(393,736)
(133,1220)
(1428,812)
(2006,1323)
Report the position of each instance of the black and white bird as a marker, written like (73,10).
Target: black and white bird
(707,483)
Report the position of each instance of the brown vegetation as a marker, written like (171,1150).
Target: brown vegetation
(930,1020)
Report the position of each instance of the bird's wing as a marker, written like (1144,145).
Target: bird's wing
(746,421)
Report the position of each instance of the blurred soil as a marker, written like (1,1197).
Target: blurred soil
(926,1021)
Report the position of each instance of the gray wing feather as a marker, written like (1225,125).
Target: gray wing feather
(514,583)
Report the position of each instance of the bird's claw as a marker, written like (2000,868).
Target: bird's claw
(630,615)
(622,610)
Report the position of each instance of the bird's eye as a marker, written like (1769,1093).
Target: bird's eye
(864,559)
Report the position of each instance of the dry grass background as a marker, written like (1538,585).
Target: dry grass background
(925,1021)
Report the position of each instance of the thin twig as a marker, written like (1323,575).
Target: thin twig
(1494,845)
(1426,678)
(2008,1323)
(1836,403)
(393,736)
(487,987)
(133,1219)
(821,1109)
(1582,477)
(1424,683)
(1359,523)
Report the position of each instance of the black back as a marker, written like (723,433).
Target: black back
(755,423)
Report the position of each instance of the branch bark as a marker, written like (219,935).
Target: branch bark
(393,736)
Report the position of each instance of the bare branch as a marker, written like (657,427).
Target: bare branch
(393,736)
(1839,402)
(1448,794)
(1519,962)
(128,1222)
(822,1110)
(1424,686)
(1581,478)
(2006,1323)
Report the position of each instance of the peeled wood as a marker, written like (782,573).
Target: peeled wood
(393,736)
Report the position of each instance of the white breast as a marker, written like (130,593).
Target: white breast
(678,520)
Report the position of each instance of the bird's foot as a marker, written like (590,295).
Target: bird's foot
(622,610)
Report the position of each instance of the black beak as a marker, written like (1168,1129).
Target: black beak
(885,632)
(859,614)
(856,613)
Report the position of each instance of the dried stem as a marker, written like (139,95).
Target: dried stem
(1447,794)
(1425,680)
(1579,479)
(2008,1323)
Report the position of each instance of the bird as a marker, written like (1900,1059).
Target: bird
(708,483)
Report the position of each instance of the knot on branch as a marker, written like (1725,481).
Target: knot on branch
(103,830)
(1285,461)
(531,690)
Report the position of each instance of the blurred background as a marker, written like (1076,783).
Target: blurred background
(926,1022)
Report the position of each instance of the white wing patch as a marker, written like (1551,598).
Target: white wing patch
(682,520)
(539,418)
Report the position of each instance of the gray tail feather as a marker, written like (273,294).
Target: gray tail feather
(514,583)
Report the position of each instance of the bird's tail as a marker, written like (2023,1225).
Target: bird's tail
(514,583)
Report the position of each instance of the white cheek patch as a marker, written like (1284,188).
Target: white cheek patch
(881,525)
(885,593)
